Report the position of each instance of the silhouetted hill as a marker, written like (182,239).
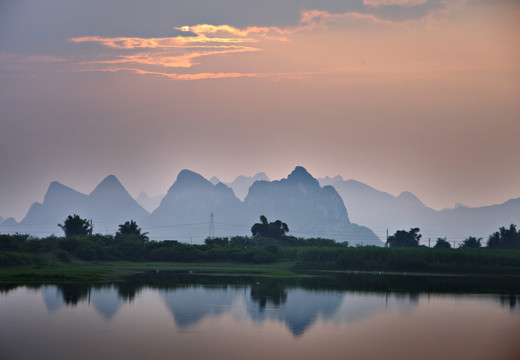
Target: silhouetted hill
(111,202)
(108,205)
(184,213)
(308,209)
(59,202)
(9,226)
(242,184)
(150,203)
(381,211)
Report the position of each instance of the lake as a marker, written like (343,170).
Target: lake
(179,316)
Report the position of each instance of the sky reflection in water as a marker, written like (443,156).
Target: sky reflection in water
(253,322)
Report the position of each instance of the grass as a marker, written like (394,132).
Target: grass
(100,272)
(105,272)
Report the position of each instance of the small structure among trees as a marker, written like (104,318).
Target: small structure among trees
(274,230)
(74,225)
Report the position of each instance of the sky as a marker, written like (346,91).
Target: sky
(403,95)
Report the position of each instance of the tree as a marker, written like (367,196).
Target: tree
(130,228)
(273,230)
(442,244)
(403,238)
(505,238)
(471,243)
(74,225)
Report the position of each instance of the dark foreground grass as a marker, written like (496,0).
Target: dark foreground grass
(110,272)
(101,272)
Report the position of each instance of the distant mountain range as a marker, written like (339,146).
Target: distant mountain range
(308,209)
(150,203)
(311,207)
(185,212)
(240,187)
(108,205)
(242,184)
(381,211)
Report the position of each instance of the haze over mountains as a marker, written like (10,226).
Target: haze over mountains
(328,208)
(185,211)
(381,211)
(299,200)
(108,205)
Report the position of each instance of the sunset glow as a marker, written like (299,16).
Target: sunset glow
(417,95)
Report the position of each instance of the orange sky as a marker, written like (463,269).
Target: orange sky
(416,95)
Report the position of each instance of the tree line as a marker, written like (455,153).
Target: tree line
(505,238)
(268,243)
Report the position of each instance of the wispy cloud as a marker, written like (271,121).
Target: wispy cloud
(404,3)
(194,50)
(166,60)
(154,43)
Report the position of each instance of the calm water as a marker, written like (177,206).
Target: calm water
(253,319)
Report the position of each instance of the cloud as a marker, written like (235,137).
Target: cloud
(167,61)
(201,44)
(194,76)
(316,19)
(154,43)
(403,3)
(214,29)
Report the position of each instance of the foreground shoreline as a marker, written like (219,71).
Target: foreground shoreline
(113,272)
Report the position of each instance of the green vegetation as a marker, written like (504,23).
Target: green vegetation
(64,256)
(442,244)
(273,230)
(471,243)
(74,225)
(130,229)
(505,238)
(404,238)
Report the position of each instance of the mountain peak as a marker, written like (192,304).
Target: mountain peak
(261,176)
(108,184)
(57,186)
(410,198)
(300,174)
(57,190)
(188,176)
(188,179)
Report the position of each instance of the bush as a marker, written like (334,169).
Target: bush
(62,255)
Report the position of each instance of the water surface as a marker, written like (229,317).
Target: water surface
(253,319)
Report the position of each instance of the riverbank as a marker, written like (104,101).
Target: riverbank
(101,272)
(113,272)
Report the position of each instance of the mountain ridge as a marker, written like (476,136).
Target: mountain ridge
(382,211)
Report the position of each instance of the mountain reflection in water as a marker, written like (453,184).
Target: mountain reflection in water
(237,317)
(297,308)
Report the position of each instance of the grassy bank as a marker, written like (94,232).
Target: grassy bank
(100,257)
(110,272)
(101,272)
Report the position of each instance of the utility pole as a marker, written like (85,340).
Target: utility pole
(428,242)
(211,227)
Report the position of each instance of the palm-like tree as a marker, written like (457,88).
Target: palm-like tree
(74,225)
(131,228)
